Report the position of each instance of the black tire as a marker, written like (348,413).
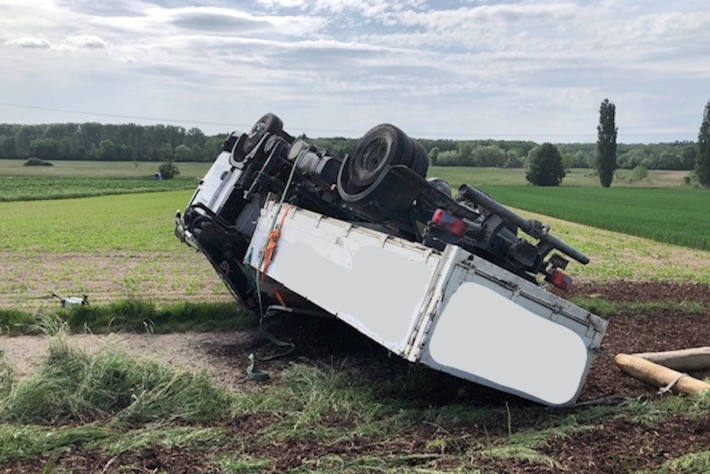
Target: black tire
(269,123)
(384,145)
(363,177)
(420,159)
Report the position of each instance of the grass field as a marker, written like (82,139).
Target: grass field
(108,169)
(114,247)
(456,175)
(31,188)
(677,216)
(144,223)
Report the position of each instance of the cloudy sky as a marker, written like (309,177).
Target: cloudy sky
(458,69)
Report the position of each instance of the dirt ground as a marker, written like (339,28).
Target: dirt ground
(616,446)
(642,291)
(224,355)
(29,280)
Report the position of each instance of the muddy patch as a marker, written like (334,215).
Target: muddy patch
(623,291)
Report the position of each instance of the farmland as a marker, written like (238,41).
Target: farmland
(678,216)
(150,398)
(33,188)
(106,169)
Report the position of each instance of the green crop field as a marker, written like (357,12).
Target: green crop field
(29,188)
(115,169)
(454,174)
(457,175)
(132,222)
(676,216)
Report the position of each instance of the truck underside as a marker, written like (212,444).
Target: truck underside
(443,280)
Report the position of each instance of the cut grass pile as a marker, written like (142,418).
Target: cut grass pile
(675,216)
(129,315)
(106,397)
(31,188)
(72,386)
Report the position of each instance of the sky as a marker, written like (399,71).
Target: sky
(450,69)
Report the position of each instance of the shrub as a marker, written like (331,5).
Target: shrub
(545,166)
(34,161)
(168,170)
(639,172)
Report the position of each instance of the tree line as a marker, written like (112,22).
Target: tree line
(678,155)
(107,142)
(126,142)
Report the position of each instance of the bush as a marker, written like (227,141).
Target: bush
(37,162)
(639,172)
(545,166)
(168,170)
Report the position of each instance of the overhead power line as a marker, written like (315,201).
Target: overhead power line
(327,130)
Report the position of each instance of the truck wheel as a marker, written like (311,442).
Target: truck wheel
(362,175)
(420,160)
(384,145)
(269,123)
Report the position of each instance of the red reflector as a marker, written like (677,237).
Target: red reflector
(446,221)
(559,279)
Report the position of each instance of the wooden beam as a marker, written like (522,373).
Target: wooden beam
(697,358)
(660,376)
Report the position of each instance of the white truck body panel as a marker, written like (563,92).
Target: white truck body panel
(450,310)
(217,185)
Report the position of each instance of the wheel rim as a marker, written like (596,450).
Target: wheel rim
(367,164)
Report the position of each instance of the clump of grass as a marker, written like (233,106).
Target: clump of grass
(688,464)
(15,321)
(131,315)
(72,386)
(241,464)
(7,375)
(311,399)
(160,435)
(612,308)
(523,446)
(18,441)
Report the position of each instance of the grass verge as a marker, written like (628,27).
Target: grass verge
(608,308)
(130,315)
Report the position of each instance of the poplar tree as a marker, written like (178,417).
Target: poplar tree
(606,143)
(702,158)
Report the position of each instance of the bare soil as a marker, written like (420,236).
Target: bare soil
(642,291)
(27,281)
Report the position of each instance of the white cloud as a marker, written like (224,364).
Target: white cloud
(85,41)
(469,67)
(30,42)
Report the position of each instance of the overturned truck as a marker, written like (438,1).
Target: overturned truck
(448,281)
